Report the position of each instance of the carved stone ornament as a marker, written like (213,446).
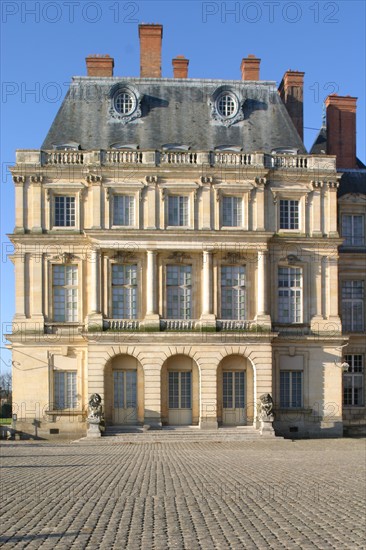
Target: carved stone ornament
(206,179)
(260,181)
(151,179)
(36,179)
(233,257)
(333,184)
(95,410)
(292,259)
(19,179)
(266,407)
(135,99)
(179,257)
(123,257)
(236,116)
(64,257)
(94,178)
(317,184)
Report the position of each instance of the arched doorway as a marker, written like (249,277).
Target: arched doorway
(235,390)
(180,391)
(124,391)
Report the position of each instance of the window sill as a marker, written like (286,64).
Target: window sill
(65,412)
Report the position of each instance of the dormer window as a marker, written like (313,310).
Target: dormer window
(227,105)
(124,103)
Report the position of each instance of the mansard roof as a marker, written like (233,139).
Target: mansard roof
(352,181)
(172,111)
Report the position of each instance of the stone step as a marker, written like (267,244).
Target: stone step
(137,433)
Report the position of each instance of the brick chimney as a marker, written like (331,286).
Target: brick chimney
(99,65)
(180,66)
(250,67)
(341,129)
(151,36)
(291,91)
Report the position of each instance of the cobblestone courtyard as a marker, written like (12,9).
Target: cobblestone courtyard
(183,495)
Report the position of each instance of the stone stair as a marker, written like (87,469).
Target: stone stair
(181,433)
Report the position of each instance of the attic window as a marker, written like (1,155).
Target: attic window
(124,103)
(71,146)
(227,105)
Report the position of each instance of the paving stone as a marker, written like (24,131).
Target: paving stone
(189,495)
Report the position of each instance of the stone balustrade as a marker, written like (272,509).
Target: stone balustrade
(228,159)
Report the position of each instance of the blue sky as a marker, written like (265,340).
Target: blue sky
(45,43)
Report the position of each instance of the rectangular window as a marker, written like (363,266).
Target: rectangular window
(232,211)
(353,229)
(65,390)
(177,210)
(352,306)
(179,291)
(65,293)
(123,210)
(180,390)
(64,211)
(124,291)
(353,383)
(233,292)
(289,214)
(289,295)
(290,389)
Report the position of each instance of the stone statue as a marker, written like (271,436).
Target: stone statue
(95,408)
(95,416)
(266,412)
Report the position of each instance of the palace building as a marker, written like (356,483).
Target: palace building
(178,252)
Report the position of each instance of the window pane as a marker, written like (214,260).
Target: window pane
(289,295)
(64,211)
(65,390)
(123,210)
(290,389)
(353,381)
(179,291)
(177,210)
(124,291)
(289,214)
(65,293)
(353,306)
(232,211)
(233,292)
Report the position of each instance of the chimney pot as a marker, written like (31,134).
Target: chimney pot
(291,91)
(99,65)
(250,67)
(151,36)
(341,129)
(180,66)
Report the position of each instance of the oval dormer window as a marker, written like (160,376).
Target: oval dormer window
(124,102)
(227,105)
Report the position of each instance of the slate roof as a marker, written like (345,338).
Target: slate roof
(352,181)
(173,111)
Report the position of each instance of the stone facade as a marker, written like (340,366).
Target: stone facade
(180,285)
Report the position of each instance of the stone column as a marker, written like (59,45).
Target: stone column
(151,317)
(207,317)
(37,287)
(36,203)
(94,318)
(19,203)
(317,320)
(334,324)
(205,210)
(316,209)
(19,264)
(262,316)
(96,191)
(260,182)
(332,208)
(94,280)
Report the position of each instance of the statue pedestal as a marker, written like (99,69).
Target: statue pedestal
(266,427)
(93,429)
